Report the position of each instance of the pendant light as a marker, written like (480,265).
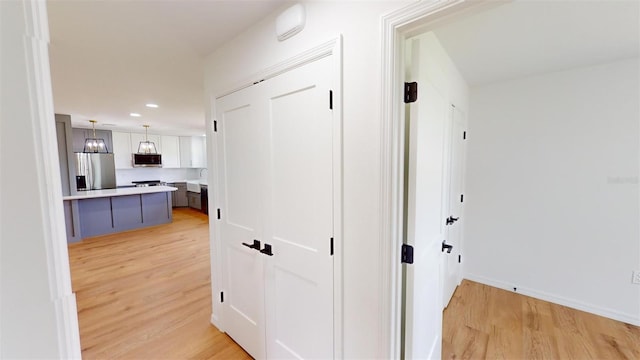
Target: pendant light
(146,146)
(93,144)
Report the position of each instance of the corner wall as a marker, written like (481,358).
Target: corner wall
(258,49)
(552,188)
(38,316)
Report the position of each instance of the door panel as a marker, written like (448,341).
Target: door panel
(452,272)
(276,186)
(242,150)
(240,174)
(425,229)
(299,282)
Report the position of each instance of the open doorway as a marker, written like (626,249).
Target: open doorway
(534,85)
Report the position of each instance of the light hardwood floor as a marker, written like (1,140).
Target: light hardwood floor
(484,322)
(146,294)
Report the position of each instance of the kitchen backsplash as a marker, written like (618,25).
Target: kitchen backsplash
(126,176)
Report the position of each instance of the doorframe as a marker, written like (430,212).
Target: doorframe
(58,300)
(396,28)
(333,48)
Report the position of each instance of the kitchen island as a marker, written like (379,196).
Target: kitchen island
(99,212)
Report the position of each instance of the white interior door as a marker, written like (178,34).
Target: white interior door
(276,178)
(299,285)
(425,215)
(241,172)
(451,264)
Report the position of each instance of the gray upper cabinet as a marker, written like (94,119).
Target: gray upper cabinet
(79,135)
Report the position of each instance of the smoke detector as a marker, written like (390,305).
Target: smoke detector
(290,22)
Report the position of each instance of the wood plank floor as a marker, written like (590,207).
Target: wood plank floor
(146,294)
(484,322)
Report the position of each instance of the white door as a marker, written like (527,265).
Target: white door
(425,215)
(299,285)
(241,170)
(276,156)
(451,264)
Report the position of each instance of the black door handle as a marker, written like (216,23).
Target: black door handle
(255,245)
(446,246)
(267,250)
(451,220)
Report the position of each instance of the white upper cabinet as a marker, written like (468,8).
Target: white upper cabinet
(122,149)
(170,151)
(193,152)
(136,138)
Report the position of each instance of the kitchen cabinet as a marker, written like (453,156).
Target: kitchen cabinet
(122,150)
(170,151)
(194,200)
(193,152)
(95,213)
(136,138)
(64,139)
(204,199)
(179,196)
(79,136)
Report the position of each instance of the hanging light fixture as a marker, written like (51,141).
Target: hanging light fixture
(146,146)
(93,144)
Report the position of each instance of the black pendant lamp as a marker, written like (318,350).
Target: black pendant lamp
(93,144)
(146,146)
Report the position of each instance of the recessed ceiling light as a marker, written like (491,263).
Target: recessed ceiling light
(109,125)
(135,115)
(152,105)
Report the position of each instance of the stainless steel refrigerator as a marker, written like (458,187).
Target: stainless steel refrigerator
(95,171)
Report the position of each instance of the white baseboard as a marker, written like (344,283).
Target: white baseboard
(215,322)
(572,303)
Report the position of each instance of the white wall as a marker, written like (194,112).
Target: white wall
(126,176)
(257,49)
(38,317)
(552,187)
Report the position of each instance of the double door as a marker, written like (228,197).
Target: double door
(275,176)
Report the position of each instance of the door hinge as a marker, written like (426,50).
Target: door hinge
(459,259)
(410,92)
(218,213)
(221,296)
(331,247)
(464,135)
(461,197)
(407,254)
(215,126)
(330,99)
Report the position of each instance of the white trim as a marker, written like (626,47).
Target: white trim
(396,27)
(557,299)
(49,184)
(329,48)
(332,47)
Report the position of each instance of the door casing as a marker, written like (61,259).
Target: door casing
(397,27)
(331,48)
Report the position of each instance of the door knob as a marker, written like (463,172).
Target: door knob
(451,220)
(267,250)
(446,246)
(255,245)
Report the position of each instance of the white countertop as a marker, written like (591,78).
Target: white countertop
(193,181)
(119,192)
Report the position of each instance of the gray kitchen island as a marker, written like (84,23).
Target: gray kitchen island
(100,212)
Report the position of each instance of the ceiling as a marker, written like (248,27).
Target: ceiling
(110,58)
(525,38)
